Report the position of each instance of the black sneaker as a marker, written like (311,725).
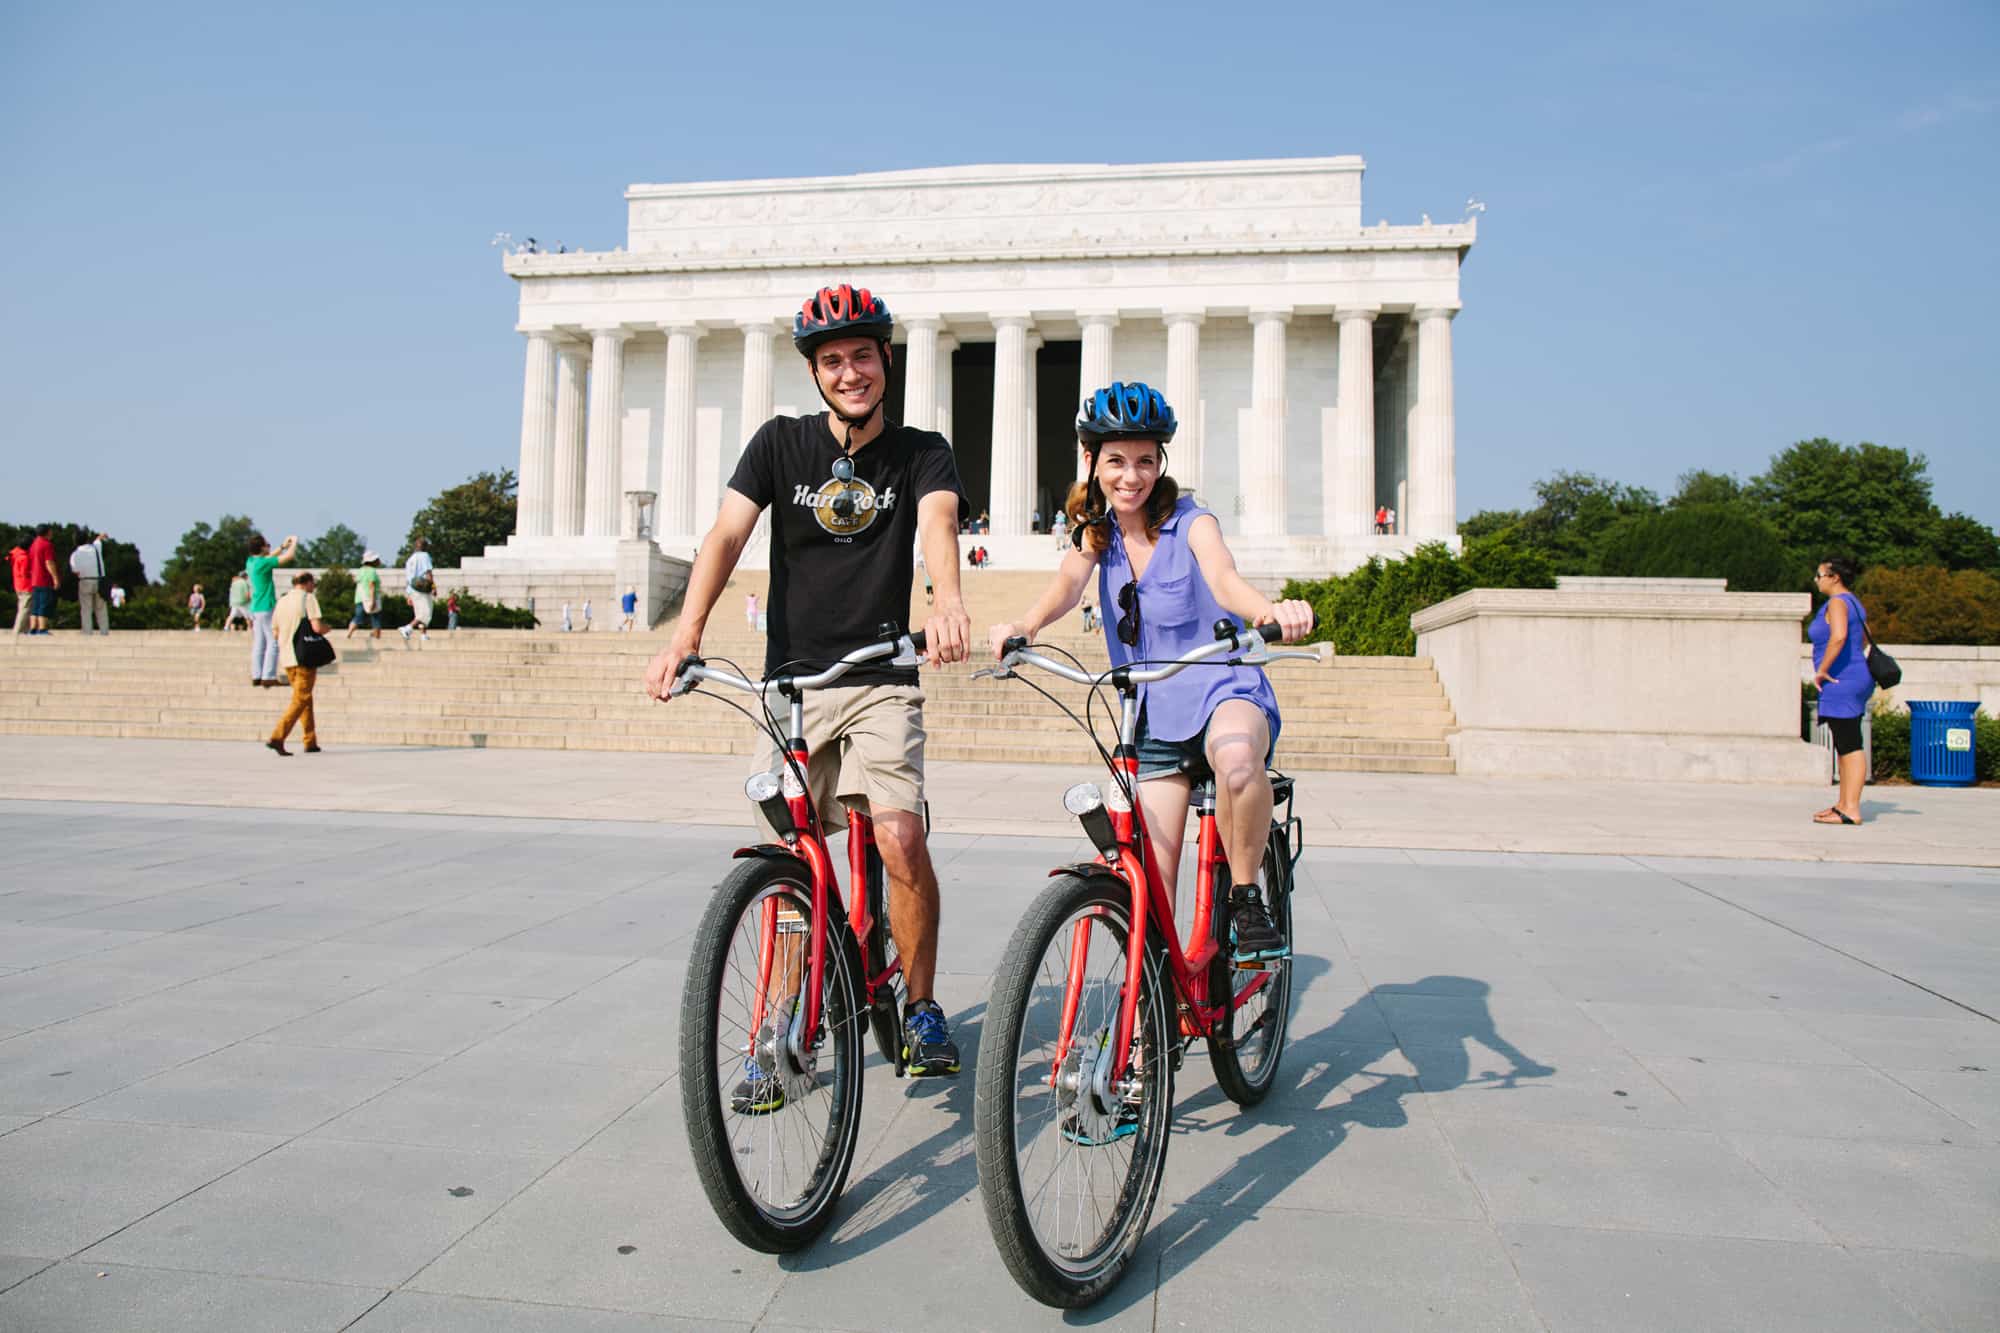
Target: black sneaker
(759,1092)
(1258,938)
(927,1046)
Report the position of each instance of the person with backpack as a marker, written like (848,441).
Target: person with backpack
(419,582)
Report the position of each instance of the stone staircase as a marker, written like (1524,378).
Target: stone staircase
(548,690)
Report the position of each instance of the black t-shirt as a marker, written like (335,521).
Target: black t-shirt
(842,552)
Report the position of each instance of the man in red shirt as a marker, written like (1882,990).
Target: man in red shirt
(41,581)
(18,560)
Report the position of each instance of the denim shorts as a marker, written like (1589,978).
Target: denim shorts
(42,602)
(374,618)
(1159,758)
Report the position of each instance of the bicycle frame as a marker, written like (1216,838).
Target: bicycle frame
(807,842)
(1131,860)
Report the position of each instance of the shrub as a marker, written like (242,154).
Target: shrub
(1889,730)
(1925,604)
(1367,612)
(1701,541)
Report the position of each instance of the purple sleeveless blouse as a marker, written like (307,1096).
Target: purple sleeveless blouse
(1177,612)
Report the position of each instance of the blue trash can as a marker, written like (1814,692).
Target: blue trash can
(1941,744)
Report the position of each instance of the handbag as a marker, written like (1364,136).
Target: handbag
(1888,673)
(310,647)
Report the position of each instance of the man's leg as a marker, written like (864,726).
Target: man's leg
(263,647)
(302,697)
(913,897)
(296,706)
(23,603)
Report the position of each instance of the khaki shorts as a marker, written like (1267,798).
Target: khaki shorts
(867,744)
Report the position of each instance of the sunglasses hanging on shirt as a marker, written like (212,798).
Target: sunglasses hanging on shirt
(1128,623)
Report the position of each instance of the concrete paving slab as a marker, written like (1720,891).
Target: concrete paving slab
(1682,1030)
(24,946)
(258,1088)
(89,1298)
(1632,1180)
(1973,1095)
(70,1183)
(336,963)
(1637,1281)
(215,1010)
(1951,1042)
(399,1018)
(422,1312)
(43,995)
(1615,1094)
(1813,1101)
(522,972)
(1908,1196)
(14,1269)
(629,1020)
(559,1242)
(1948,1291)
(1224,1271)
(56,1068)
(502,1103)
(377,1213)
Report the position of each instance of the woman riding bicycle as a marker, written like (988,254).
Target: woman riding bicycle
(1162,564)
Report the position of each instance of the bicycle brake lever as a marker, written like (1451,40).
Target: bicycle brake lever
(993,673)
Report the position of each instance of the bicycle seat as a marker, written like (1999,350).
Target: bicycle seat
(1197,771)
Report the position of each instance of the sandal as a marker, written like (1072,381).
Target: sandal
(1839,816)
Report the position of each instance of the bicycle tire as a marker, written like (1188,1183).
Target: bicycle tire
(766,1211)
(1025,1007)
(1248,1081)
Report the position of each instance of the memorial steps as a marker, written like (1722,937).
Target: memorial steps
(548,690)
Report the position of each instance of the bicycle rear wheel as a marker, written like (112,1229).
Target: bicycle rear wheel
(1245,1048)
(773,1136)
(1069,1169)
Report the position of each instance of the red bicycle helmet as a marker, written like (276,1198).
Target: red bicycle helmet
(840,312)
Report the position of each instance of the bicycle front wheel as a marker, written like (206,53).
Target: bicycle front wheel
(1246,1046)
(773,1115)
(1069,1163)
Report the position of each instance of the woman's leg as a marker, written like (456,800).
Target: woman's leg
(1239,736)
(1165,801)
(1853,769)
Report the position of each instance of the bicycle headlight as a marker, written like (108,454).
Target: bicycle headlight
(1086,801)
(767,791)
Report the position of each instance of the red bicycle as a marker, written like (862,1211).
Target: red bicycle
(781,978)
(1097,999)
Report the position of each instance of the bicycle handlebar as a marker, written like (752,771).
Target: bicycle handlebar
(1252,643)
(908,650)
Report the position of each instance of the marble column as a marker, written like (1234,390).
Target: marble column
(604,466)
(1263,459)
(1433,464)
(1096,372)
(946,345)
(1034,477)
(1349,507)
(567,489)
(756,409)
(920,380)
(1406,420)
(1013,430)
(678,479)
(538,438)
(1184,395)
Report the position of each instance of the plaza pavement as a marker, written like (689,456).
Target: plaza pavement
(385,1041)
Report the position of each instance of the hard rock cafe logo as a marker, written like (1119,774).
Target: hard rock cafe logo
(846,505)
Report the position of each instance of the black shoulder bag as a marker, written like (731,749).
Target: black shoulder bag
(309,646)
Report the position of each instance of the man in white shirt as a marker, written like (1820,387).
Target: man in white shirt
(418,587)
(87,562)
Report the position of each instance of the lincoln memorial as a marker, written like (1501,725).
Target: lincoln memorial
(1307,353)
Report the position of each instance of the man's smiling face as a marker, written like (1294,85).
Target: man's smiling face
(852,374)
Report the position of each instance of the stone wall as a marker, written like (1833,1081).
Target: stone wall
(1640,684)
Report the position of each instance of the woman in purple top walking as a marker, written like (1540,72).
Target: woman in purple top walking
(1840,669)
(1162,564)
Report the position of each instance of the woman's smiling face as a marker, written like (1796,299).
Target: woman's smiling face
(1127,471)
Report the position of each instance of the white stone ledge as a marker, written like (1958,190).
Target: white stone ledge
(1637,756)
(1541,603)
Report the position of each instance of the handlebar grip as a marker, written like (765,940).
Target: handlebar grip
(1271,633)
(917,641)
(1014,645)
(691,660)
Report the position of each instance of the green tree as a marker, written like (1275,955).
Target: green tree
(1699,487)
(1869,501)
(1367,612)
(1928,604)
(1706,541)
(122,562)
(339,547)
(1574,509)
(465,520)
(210,556)
(1489,523)
(1966,543)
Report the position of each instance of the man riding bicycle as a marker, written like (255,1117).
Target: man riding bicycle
(851,494)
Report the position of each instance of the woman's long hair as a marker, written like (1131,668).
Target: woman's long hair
(1090,515)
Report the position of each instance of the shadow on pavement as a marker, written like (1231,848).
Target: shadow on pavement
(1349,1047)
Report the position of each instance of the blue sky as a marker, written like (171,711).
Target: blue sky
(245,257)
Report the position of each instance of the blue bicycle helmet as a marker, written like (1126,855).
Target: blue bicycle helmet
(1122,411)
